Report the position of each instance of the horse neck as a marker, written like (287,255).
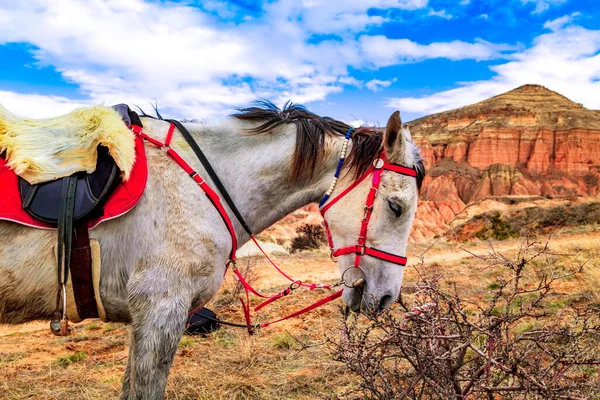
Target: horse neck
(255,170)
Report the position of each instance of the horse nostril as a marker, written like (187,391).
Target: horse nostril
(385,302)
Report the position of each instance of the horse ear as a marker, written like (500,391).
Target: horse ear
(394,137)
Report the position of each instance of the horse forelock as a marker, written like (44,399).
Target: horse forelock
(311,132)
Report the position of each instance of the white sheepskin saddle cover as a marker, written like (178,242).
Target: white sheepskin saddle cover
(42,150)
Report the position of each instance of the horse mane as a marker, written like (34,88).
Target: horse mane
(310,137)
(311,132)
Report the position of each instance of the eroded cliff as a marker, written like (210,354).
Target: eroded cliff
(529,141)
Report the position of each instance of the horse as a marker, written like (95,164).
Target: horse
(168,255)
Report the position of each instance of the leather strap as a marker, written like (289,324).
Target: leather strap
(211,172)
(65,226)
(74,253)
(81,273)
(210,193)
(65,234)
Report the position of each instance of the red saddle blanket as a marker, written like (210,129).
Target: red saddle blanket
(124,198)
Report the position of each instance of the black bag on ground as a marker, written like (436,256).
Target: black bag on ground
(202,322)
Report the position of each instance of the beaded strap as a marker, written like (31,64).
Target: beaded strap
(339,167)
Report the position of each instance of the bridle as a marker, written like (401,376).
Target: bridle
(360,249)
(380,165)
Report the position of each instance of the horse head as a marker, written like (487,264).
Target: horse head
(369,218)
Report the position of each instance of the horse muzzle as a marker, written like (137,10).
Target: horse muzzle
(360,296)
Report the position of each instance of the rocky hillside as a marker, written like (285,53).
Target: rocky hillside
(530,141)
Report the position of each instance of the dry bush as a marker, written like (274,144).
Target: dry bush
(309,236)
(439,345)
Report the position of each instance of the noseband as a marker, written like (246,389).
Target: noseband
(360,249)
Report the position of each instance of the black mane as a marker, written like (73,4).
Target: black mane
(310,138)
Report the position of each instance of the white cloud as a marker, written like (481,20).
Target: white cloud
(566,61)
(465,2)
(327,16)
(543,5)
(349,80)
(133,51)
(37,106)
(559,23)
(441,14)
(383,51)
(376,85)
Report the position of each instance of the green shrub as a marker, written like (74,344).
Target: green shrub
(497,228)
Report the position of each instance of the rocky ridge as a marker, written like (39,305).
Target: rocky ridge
(530,141)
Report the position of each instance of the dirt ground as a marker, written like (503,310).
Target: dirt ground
(273,364)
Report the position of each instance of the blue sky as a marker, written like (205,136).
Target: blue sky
(355,60)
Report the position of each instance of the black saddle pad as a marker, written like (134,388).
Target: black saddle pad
(42,201)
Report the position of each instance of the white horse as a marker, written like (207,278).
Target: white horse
(167,256)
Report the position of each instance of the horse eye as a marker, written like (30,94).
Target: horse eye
(395,207)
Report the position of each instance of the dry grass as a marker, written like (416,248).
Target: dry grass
(229,364)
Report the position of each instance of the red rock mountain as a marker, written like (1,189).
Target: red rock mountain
(529,141)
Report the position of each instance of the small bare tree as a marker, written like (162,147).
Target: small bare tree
(439,345)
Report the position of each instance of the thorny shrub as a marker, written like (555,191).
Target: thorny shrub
(439,345)
(310,236)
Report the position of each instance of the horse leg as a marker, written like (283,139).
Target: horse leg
(126,381)
(159,301)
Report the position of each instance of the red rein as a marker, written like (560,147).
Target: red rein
(359,249)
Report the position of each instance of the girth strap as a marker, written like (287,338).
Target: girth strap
(59,325)
(81,273)
(74,257)
(65,227)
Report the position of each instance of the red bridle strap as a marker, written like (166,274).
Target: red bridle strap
(401,169)
(306,309)
(346,191)
(361,247)
(373,252)
(210,193)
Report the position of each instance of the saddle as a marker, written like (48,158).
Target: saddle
(70,203)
